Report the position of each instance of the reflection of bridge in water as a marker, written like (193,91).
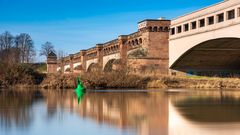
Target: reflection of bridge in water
(159,113)
(144,113)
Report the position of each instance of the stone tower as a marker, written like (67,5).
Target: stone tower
(154,36)
(52,63)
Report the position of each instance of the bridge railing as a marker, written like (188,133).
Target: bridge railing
(215,17)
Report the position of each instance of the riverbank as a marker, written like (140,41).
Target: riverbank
(26,76)
(20,75)
(119,80)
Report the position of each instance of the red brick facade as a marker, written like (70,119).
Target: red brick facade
(145,51)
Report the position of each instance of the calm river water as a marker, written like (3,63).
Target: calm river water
(169,112)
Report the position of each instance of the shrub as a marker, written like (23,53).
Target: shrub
(18,74)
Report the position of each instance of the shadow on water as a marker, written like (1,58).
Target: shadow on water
(220,107)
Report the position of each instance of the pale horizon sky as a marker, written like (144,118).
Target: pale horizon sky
(72,25)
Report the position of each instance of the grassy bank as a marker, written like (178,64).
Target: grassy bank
(122,80)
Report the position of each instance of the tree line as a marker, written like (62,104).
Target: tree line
(18,49)
(21,49)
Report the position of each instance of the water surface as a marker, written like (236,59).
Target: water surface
(165,112)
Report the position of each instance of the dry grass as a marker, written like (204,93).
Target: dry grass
(96,80)
(121,79)
(19,74)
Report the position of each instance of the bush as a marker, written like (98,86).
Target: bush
(19,74)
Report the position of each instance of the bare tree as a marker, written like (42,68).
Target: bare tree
(25,45)
(8,53)
(6,41)
(61,54)
(46,49)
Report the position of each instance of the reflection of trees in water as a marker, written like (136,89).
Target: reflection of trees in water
(15,108)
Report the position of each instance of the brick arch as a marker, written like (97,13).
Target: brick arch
(93,67)
(166,29)
(161,29)
(136,42)
(133,42)
(150,29)
(109,65)
(155,29)
(140,41)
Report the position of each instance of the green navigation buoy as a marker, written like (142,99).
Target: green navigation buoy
(80,90)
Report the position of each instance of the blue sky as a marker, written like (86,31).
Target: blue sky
(72,25)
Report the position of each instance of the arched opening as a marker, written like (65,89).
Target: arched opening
(133,43)
(150,29)
(140,40)
(78,67)
(111,65)
(161,29)
(67,69)
(217,57)
(129,43)
(93,67)
(155,29)
(166,29)
(136,41)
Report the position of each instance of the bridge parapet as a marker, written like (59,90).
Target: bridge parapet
(218,16)
(77,57)
(91,53)
(134,40)
(111,47)
(150,25)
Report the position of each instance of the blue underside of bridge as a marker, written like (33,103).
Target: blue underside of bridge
(213,57)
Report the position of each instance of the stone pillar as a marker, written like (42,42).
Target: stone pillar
(83,59)
(122,40)
(71,62)
(100,56)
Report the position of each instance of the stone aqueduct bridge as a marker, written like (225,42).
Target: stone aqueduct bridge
(207,40)
(143,51)
(203,42)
